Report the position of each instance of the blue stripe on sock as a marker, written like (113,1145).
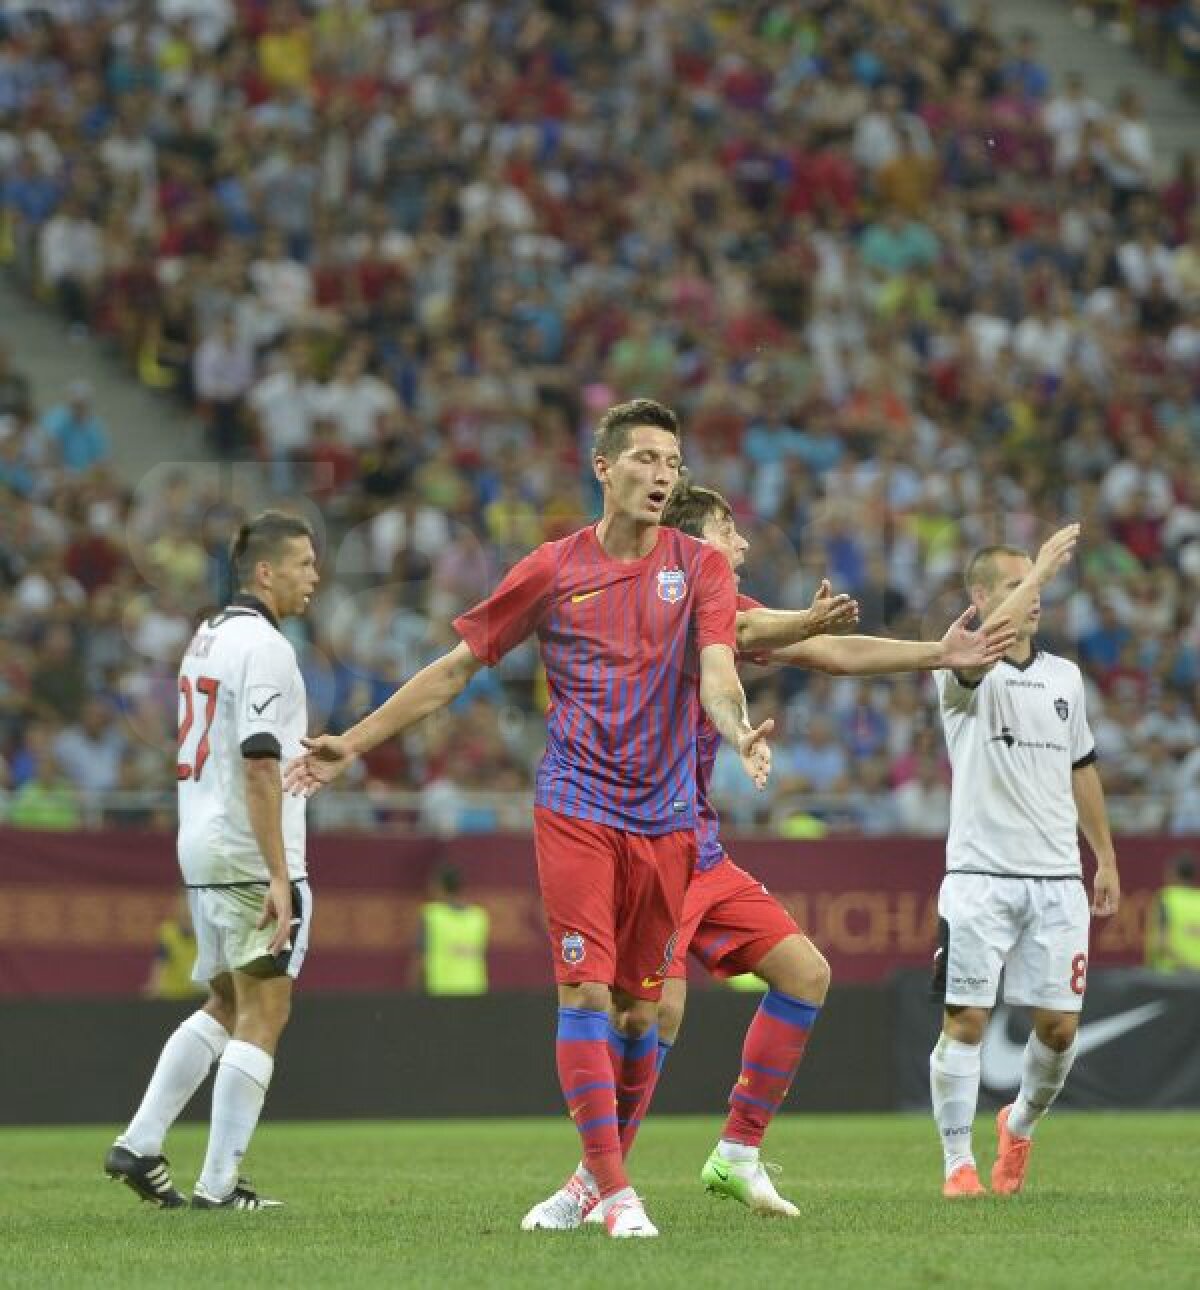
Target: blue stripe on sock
(581,1089)
(664,1051)
(794,1011)
(599,1122)
(628,1047)
(636,1049)
(753,1101)
(767,1070)
(582,1023)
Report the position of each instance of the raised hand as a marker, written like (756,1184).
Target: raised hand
(755,753)
(963,649)
(1055,552)
(832,615)
(328,756)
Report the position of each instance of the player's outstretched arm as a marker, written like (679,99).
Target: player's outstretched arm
(960,648)
(761,630)
(264,808)
(433,687)
(1093,822)
(723,698)
(1054,555)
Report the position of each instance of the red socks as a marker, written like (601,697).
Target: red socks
(771,1053)
(585,1071)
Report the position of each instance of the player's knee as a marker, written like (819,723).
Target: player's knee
(637,1019)
(1057,1033)
(221,1005)
(796,967)
(670,1018)
(221,1011)
(816,976)
(966,1025)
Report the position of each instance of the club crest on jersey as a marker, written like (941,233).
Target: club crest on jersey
(672,585)
(573,949)
(1060,706)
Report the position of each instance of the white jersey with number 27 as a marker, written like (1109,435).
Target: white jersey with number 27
(240,692)
(1014,739)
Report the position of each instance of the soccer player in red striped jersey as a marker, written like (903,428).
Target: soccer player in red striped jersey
(731,923)
(636,625)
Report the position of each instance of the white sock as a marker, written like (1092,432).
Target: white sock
(954,1086)
(626,1193)
(1043,1074)
(238,1093)
(183,1065)
(585,1176)
(737,1153)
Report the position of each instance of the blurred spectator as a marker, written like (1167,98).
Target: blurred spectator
(923,804)
(175,956)
(223,371)
(812,761)
(45,801)
(1173,923)
(76,432)
(90,751)
(450,957)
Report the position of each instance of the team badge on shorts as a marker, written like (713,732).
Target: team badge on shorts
(672,585)
(573,949)
(1060,706)
(668,954)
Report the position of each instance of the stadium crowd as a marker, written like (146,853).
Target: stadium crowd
(1167,32)
(908,296)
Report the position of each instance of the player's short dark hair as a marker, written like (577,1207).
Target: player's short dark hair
(690,507)
(612,434)
(981,568)
(263,538)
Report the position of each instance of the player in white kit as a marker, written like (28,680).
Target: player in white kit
(1024,784)
(241,847)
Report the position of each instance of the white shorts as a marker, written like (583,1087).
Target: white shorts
(1036,929)
(226,937)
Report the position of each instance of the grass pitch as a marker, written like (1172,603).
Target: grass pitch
(1111,1201)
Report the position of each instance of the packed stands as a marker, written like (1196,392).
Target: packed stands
(909,295)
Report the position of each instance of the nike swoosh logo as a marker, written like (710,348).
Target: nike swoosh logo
(722,1174)
(260,708)
(651,982)
(580,596)
(1002,1058)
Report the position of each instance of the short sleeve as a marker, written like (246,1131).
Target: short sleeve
(512,612)
(262,703)
(714,611)
(1083,742)
(760,657)
(955,693)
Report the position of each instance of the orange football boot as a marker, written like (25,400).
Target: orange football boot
(1012,1157)
(964,1181)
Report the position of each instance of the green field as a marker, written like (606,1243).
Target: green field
(1112,1202)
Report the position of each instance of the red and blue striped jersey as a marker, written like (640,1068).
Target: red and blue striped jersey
(709,851)
(621,642)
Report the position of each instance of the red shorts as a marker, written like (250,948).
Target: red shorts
(613,900)
(730,921)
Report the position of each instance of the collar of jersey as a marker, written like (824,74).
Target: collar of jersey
(626,564)
(243,600)
(1029,662)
